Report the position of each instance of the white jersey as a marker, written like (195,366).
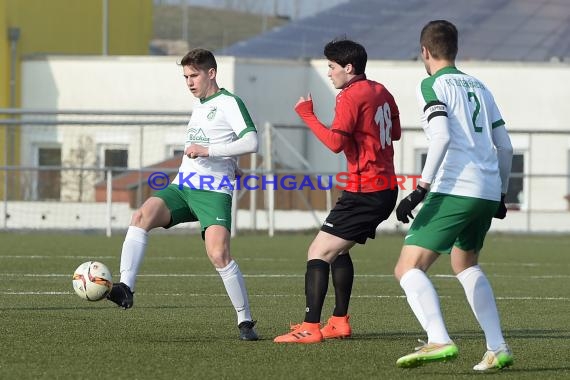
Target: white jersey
(470,166)
(218,119)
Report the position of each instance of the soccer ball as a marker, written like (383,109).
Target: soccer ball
(92,281)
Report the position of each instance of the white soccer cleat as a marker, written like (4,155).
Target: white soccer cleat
(501,358)
(428,352)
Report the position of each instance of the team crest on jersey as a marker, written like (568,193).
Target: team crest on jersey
(212,113)
(197,136)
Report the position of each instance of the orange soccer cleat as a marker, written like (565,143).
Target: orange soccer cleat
(337,327)
(304,333)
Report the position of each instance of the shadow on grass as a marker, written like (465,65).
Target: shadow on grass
(511,334)
(538,333)
(524,370)
(445,373)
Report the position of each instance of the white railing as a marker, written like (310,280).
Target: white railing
(89,202)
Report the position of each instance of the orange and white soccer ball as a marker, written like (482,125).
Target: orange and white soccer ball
(92,281)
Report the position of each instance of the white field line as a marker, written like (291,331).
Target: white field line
(263,275)
(149,257)
(369,296)
(263,259)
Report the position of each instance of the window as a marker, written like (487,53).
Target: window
(568,192)
(49,181)
(515,194)
(116,158)
(421,156)
(174,150)
(567,196)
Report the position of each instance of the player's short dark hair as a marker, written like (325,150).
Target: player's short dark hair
(200,59)
(440,37)
(343,52)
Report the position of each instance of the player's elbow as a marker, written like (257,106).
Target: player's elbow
(505,152)
(443,141)
(337,143)
(255,146)
(506,148)
(502,141)
(396,132)
(252,142)
(336,148)
(396,135)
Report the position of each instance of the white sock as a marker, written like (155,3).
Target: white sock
(424,302)
(235,287)
(480,296)
(132,255)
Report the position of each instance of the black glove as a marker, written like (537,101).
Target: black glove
(404,209)
(502,210)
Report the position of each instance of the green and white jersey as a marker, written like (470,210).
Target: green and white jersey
(470,166)
(218,119)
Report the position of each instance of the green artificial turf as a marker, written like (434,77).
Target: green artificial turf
(183,326)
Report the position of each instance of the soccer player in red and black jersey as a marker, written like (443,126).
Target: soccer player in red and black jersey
(365,124)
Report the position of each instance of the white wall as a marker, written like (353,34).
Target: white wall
(111,83)
(531,96)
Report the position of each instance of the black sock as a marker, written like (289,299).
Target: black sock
(342,276)
(316,284)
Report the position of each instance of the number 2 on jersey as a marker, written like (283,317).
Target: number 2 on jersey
(384,121)
(471,95)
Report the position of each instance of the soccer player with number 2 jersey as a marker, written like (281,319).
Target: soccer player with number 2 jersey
(466,172)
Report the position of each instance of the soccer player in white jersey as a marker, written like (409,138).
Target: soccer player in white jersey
(220,129)
(466,172)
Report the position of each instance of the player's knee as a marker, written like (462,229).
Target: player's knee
(219,258)
(137,218)
(321,253)
(402,267)
(399,272)
(312,251)
(153,213)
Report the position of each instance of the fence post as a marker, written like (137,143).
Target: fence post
(269,194)
(109,201)
(5,189)
(5,201)
(329,199)
(235,196)
(253,195)
(141,165)
(528,192)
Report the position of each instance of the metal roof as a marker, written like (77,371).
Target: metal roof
(497,30)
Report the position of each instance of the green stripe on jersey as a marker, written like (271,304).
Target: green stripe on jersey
(204,100)
(427,84)
(497,123)
(244,113)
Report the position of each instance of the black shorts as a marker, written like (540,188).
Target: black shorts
(356,216)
